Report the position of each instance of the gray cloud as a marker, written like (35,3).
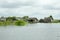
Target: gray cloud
(14,5)
(31,8)
(50,7)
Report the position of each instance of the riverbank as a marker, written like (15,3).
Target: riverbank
(22,21)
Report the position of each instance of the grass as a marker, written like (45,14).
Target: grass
(5,23)
(55,21)
(17,23)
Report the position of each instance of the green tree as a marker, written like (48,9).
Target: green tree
(11,19)
(51,17)
(41,20)
(25,17)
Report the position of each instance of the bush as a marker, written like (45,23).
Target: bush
(20,23)
(5,23)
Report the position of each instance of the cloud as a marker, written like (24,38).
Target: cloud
(51,7)
(37,8)
(48,4)
(14,4)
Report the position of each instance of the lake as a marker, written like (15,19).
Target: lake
(39,31)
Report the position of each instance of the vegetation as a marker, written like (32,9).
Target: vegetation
(11,19)
(55,21)
(25,17)
(1,23)
(5,23)
(21,21)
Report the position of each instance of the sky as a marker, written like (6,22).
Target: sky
(32,8)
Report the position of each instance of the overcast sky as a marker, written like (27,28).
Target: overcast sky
(37,8)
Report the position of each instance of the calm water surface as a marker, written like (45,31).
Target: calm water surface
(31,32)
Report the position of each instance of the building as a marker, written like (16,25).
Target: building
(2,18)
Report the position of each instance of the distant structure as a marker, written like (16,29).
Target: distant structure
(33,20)
(46,19)
(2,18)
